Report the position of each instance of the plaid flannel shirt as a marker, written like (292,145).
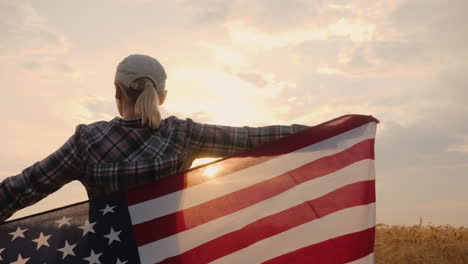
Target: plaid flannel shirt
(110,156)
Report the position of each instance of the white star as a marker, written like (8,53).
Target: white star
(63,221)
(93,258)
(67,249)
(107,209)
(18,233)
(120,262)
(87,227)
(20,260)
(113,235)
(42,241)
(1,250)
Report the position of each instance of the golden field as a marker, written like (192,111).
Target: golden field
(417,244)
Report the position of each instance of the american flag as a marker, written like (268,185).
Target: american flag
(305,198)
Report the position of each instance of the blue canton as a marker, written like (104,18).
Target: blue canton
(92,232)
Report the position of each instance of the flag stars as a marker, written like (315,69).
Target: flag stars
(113,236)
(108,209)
(63,221)
(20,260)
(93,258)
(67,249)
(87,227)
(1,250)
(120,262)
(18,233)
(42,241)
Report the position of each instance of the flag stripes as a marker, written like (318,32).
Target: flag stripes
(359,193)
(232,202)
(369,259)
(334,225)
(351,248)
(186,240)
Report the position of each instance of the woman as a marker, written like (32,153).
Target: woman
(110,156)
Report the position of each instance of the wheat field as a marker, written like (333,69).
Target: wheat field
(417,244)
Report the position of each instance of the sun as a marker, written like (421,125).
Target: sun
(210,171)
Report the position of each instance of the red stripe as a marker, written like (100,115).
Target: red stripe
(355,194)
(338,250)
(252,157)
(150,231)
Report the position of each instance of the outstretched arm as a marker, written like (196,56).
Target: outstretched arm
(42,178)
(220,141)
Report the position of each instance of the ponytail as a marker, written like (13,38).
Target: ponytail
(147,103)
(147,106)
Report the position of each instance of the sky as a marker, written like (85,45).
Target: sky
(255,63)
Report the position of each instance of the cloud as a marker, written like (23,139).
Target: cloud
(449,85)
(424,144)
(268,24)
(254,78)
(409,15)
(27,41)
(276,15)
(383,39)
(208,11)
(270,15)
(37,92)
(425,33)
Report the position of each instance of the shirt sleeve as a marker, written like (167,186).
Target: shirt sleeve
(207,140)
(42,178)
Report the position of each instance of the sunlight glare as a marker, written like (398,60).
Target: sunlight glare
(227,56)
(228,99)
(210,171)
(202,161)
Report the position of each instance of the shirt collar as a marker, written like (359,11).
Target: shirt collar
(129,123)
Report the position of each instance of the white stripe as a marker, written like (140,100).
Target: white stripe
(201,193)
(184,241)
(340,223)
(369,259)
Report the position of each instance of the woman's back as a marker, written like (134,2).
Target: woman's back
(119,143)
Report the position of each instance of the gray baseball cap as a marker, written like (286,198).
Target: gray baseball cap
(136,65)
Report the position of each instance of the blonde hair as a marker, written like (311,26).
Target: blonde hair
(145,94)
